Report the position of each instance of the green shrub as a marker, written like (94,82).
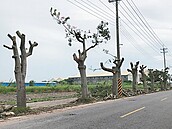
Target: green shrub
(21,110)
(100,90)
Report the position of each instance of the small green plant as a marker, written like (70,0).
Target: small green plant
(21,110)
(100,90)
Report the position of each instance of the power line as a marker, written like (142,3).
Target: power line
(131,39)
(140,33)
(85,10)
(139,24)
(94,10)
(99,9)
(145,22)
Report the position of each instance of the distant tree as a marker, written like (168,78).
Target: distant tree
(20,65)
(134,71)
(151,76)
(75,34)
(159,77)
(114,70)
(31,83)
(165,78)
(143,78)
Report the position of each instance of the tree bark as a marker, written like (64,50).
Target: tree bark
(143,78)
(84,88)
(134,83)
(115,84)
(152,78)
(152,84)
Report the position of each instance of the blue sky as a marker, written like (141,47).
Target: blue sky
(53,57)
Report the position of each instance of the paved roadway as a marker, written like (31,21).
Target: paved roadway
(151,111)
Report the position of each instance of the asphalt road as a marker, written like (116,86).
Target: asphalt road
(151,111)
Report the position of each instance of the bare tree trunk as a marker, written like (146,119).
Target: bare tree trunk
(114,70)
(134,75)
(82,69)
(21,94)
(162,85)
(84,88)
(143,78)
(115,84)
(152,84)
(134,83)
(152,78)
(20,66)
(145,84)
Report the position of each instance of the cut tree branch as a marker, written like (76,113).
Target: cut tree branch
(75,58)
(129,70)
(19,34)
(13,38)
(106,69)
(8,47)
(31,48)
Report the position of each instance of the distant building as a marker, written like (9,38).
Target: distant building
(27,84)
(93,79)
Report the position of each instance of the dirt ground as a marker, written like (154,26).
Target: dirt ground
(31,96)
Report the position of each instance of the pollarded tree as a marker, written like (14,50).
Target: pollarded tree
(20,65)
(74,34)
(143,78)
(165,78)
(134,71)
(114,70)
(151,75)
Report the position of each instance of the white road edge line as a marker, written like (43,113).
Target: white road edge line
(132,112)
(163,99)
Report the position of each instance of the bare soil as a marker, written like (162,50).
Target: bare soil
(4,98)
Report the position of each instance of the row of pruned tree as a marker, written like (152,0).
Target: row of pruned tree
(72,33)
(154,77)
(102,35)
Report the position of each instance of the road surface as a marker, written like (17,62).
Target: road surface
(151,111)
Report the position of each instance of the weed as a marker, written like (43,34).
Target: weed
(21,110)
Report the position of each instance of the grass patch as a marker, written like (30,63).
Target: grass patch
(21,110)
(7,89)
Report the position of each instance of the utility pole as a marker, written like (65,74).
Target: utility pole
(117,34)
(164,52)
(165,69)
(118,46)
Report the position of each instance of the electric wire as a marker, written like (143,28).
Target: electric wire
(85,10)
(132,41)
(145,38)
(94,12)
(138,31)
(139,25)
(145,22)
